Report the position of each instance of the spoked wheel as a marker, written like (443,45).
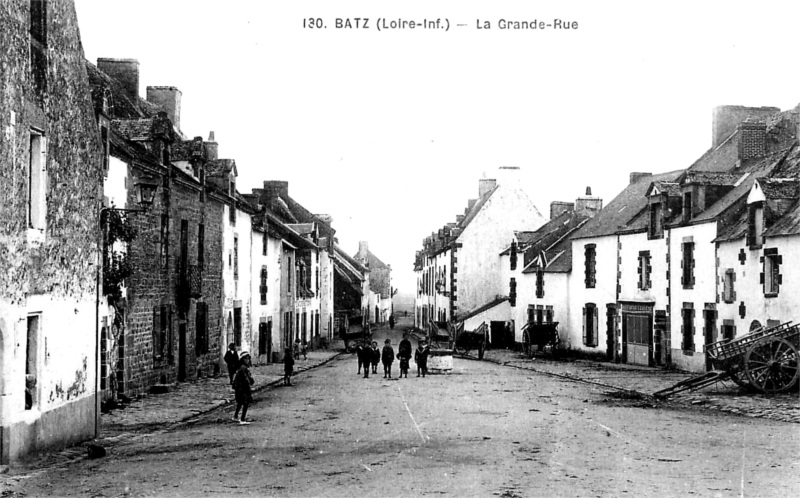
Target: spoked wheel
(739,377)
(526,344)
(772,365)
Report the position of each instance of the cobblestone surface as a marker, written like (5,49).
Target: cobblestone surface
(725,396)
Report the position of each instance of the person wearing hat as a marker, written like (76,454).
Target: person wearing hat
(387,357)
(242,387)
(421,358)
(404,355)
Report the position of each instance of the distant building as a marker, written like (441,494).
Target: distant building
(458,269)
(380,284)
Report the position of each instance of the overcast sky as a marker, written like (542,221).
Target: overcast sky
(389,131)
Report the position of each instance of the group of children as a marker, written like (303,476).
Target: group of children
(370,356)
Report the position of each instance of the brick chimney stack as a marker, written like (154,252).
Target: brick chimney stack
(726,118)
(169,99)
(588,203)
(557,208)
(752,139)
(275,188)
(125,71)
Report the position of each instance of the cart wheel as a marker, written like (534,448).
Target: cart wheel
(526,344)
(772,365)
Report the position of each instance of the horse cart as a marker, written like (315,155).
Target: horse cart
(539,335)
(352,331)
(476,340)
(764,359)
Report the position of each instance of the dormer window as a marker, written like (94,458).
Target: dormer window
(656,228)
(755,224)
(687,206)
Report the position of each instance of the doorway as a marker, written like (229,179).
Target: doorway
(182,351)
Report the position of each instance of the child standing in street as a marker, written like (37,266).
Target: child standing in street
(376,356)
(242,386)
(288,367)
(387,357)
(404,355)
(421,358)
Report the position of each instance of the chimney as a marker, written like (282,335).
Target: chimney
(727,117)
(274,189)
(212,148)
(588,204)
(485,185)
(363,249)
(125,71)
(169,99)
(636,176)
(752,139)
(557,208)
(325,218)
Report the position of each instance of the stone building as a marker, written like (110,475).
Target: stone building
(380,284)
(650,270)
(163,286)
(50,180)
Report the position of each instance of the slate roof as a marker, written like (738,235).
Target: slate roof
(302,228)
(709,178)
(789,223)
(481,309)
(220,167)
(624,207)
(779,173)
(672,189)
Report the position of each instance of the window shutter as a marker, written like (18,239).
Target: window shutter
(683,333)
(584,326)
(595,327)
(761,278)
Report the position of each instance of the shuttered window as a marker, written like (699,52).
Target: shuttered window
(590,317)
(590,265)
(687,265)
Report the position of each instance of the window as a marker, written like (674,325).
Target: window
(201,241)
(539,282)
(37,182)
(162,322)
(289,270)
(201,329)
(687,327)
(771,278)
(644,270)
(232,213)
(755,224)
(237,326)
(590,325)
(32,362)
(263,287)
(548,314)
(590,262)
(235,257)
(656,229)
(513,255)
(316,281)
(164,241)
(728,330)
(728,292)
(687,206)
(316,324)
(264,240)
(38,32)
(104,140)
(687,265)
(512,292)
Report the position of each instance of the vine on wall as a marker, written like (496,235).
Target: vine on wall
(116,263)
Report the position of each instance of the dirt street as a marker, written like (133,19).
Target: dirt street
(482,430)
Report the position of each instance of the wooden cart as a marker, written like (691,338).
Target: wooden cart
(476,340)
(765,359)
(539,335)
(353,331)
